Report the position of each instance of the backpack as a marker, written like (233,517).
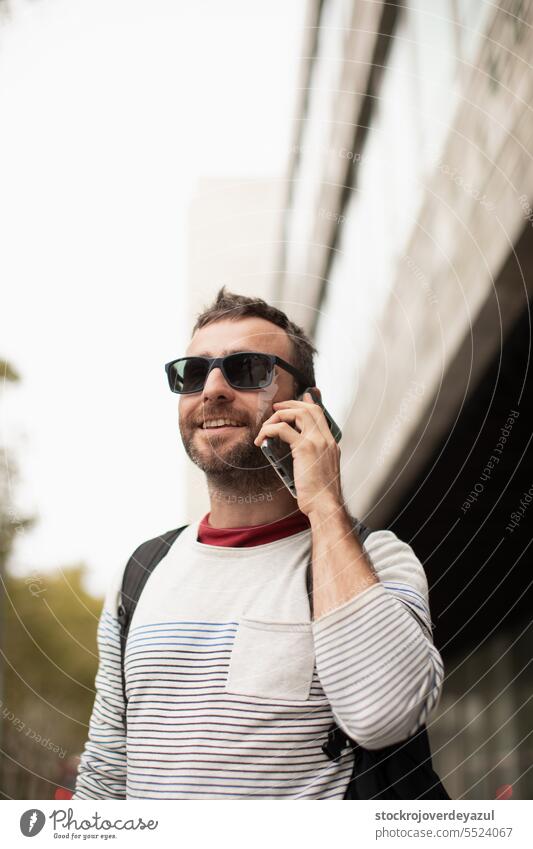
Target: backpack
(401,771)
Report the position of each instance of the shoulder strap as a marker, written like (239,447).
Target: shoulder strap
(138,569)
(362,530)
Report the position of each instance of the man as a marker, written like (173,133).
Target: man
(232,677)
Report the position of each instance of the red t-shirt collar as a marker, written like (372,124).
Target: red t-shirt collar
(254,534)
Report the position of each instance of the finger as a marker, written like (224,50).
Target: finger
(310,428)
(282,430)
(306,399)
(296,416)
(315,410)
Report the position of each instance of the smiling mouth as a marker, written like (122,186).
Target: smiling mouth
(219,425)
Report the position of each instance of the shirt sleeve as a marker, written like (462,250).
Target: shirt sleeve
(375,654)
(102,768)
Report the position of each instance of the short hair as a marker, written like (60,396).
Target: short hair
(228,305)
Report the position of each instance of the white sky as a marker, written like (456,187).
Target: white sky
(110,111)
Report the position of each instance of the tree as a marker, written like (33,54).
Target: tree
(51,658)
(48,658)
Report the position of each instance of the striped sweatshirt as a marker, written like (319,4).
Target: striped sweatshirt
(232,686)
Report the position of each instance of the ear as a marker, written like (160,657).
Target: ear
(314,391)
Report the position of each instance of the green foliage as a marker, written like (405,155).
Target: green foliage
(48,659)
(7,371)
(51,662)
(10,522)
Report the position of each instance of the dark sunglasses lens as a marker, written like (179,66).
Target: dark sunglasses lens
(248,371)
(188,375)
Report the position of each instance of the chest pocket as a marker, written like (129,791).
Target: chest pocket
(272,660)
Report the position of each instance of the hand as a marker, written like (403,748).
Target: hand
(315,454)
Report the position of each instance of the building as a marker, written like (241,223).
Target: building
(407,252)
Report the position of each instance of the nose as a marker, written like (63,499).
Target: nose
(216,386)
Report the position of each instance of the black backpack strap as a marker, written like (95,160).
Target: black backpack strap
(138,569)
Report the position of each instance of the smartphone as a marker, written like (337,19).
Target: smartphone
(278,453)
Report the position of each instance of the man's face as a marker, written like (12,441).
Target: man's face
(229,452)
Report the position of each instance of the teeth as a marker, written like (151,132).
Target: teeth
(220,423)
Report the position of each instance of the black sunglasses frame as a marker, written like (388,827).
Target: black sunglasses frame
(219,362)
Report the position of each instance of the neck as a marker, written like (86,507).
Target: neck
(244,506)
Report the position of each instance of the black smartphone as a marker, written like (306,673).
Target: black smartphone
(278,453)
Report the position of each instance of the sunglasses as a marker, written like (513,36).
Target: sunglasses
(242,370)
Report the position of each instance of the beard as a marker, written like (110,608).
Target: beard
(236,466)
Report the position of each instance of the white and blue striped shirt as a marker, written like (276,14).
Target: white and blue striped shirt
(232,687)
